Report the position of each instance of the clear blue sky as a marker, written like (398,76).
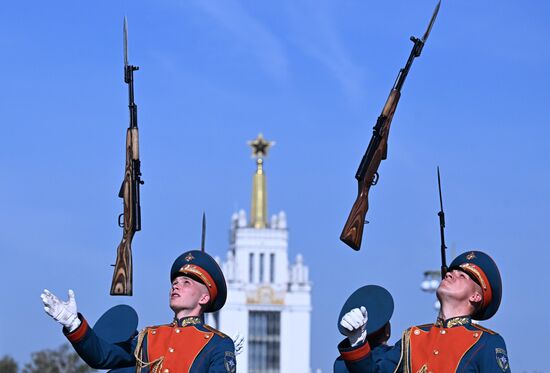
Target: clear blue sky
(311,75)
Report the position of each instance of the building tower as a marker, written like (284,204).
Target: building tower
(269,299)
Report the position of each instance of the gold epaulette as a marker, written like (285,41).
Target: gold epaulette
(482,328)
(215,331)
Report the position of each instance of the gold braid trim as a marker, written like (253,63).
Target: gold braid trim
(155,365)
(404,359)
(473,268)
(423,369)
(189,268)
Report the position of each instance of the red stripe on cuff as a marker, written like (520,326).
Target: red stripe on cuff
(79,333)
(357,353)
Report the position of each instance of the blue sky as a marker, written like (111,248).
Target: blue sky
(311,75)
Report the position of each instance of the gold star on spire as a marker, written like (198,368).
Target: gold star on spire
(258,213)
(260,146)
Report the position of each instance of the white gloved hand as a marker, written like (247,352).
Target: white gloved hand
(239,343)
(355,322)
(62,312)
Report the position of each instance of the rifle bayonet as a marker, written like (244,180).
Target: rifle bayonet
(416,50)
(203,235)
(429,29)
(441,215)
(125,36)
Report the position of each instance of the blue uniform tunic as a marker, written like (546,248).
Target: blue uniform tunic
(185,345)
(453,345)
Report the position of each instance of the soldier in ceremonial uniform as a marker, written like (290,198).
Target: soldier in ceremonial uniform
(184,345)
(471,289)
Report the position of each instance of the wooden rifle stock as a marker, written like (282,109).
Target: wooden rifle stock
(122,276)
(367,174)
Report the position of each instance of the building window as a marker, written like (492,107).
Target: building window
(272,268)
(251,267)
(261,268)
(264,336)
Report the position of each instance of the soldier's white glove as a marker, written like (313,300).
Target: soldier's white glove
(62,312)
(355,322)
(239,343)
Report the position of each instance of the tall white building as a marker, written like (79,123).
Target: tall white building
(269,298)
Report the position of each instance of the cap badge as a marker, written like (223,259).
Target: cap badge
(189,257)
(471,256)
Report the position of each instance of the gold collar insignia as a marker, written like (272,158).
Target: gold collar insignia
(452,322)
(191,320)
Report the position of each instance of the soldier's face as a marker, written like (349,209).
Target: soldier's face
(187,295)
(459,286)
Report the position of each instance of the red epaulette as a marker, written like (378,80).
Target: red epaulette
(215,331)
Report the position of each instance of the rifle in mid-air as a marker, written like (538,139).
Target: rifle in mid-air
(367,173)
(130,219)
(441,215)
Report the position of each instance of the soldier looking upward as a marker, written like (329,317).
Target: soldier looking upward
(471,289)
(184,345)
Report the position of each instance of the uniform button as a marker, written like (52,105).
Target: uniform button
(166,371)
(206,336)
(154,332)
(416,332)
(443,331)
(476,335)
(171,349)
(177,330)
(436,352)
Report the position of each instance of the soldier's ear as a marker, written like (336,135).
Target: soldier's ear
(476,297)
(204,299)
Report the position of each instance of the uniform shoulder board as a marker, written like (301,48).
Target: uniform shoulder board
(424,326)
(150,327)
(484,329)
(215,331)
